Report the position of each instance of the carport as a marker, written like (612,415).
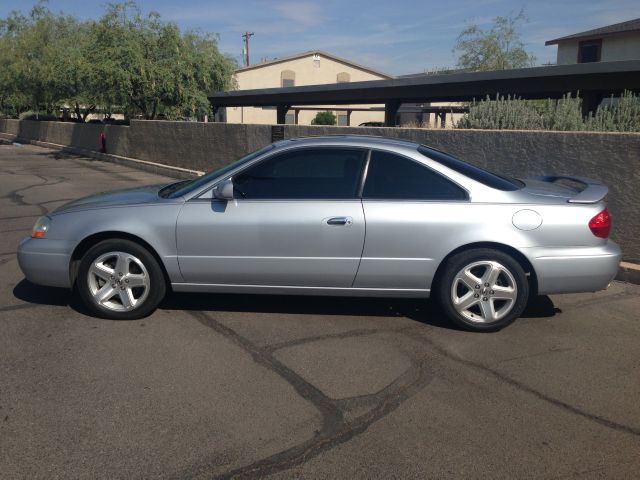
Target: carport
(593,82)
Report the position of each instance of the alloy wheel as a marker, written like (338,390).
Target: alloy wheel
(484,291)
(118,281)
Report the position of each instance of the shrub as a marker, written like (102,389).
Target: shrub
(619,115)
(324,118)
(43,117)
(512,113)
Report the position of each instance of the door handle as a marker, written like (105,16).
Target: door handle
(340,221)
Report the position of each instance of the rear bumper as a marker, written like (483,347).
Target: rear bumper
(45,262)
(575,269)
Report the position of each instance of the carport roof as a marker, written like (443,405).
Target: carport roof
(537,82)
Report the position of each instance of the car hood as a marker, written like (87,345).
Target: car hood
(130,196)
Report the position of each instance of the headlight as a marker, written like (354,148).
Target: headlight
(41,227)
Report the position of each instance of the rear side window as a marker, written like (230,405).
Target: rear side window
(476,173)
(394,177)
(314,173)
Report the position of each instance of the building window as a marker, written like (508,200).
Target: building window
(290,119)
(342,119)
(343,77)
(589,51)
(288,78)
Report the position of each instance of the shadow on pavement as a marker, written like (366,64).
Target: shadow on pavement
(424,311)
(39,295)
(31,293)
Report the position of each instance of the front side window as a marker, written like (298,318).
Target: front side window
(329,173)
(393,177)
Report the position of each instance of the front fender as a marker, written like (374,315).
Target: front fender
(154,224)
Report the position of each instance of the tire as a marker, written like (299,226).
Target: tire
(482,290)
(120,280)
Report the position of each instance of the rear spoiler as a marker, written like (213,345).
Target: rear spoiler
(592,190)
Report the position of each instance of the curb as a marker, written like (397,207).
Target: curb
(152,167)
(629,272)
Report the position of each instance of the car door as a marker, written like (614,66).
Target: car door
(409,210)
(295,220)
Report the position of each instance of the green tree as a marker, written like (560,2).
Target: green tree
(499,47)
(27,54)
(12,99)
(125,61)
(324,118)
(148,66)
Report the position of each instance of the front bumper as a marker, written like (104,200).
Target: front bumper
(575,269)
(45,262)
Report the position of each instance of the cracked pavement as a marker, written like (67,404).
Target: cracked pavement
(248,386)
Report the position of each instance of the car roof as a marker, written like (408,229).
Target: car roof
(349,140)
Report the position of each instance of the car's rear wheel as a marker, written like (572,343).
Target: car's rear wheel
(120,280)
(482,289)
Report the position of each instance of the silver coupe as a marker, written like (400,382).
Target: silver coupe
(336,215)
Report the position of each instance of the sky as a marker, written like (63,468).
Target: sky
(393,36)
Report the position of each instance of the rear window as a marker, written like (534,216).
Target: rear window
(392,177)
(478,174)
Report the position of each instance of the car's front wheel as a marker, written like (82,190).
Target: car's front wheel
(120,280)
(483,289)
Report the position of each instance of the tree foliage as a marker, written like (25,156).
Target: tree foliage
(324,118)
(499,47)
(126,61)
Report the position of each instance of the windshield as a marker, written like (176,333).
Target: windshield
(179,189)
(478,174)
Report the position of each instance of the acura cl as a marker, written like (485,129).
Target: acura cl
(337,215)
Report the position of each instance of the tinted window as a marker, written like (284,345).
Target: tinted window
(309,173)
(393,177)
(478,174)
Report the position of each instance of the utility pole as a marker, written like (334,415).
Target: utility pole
(246,36)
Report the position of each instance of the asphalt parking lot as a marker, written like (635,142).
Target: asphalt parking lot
(295,387)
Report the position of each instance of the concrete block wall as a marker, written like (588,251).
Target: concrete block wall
(613,158)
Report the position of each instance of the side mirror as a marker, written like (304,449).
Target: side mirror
(224,190)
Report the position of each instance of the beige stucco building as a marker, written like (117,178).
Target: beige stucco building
(620,41)
(309,68)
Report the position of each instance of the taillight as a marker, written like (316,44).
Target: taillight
(600,225)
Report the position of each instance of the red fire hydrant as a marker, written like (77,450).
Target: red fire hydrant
(103,143)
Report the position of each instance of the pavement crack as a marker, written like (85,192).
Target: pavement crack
(10,308)
(532,391)
(17,197)
(335,429)
(264,358)
(330,336)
